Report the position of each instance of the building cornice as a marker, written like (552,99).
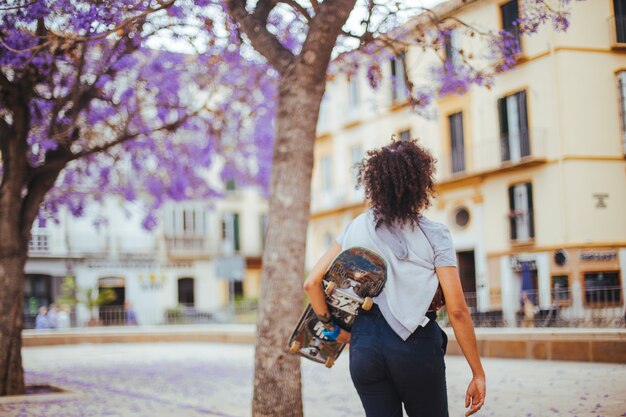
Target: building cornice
(548,248)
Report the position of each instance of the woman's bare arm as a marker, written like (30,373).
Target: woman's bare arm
(313,287)
(463,327)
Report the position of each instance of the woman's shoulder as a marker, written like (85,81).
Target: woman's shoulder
(436,232)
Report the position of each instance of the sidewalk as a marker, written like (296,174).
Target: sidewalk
(208,379)
(578,344)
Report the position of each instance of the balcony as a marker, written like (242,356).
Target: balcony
(186,246)
(617,32)
(529,148)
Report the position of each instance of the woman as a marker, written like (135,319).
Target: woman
(397,348)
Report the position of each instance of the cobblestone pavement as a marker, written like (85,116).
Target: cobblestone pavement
(202,379)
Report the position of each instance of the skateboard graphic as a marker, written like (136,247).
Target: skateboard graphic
(353,278)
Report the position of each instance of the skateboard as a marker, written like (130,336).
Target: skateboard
(353,278)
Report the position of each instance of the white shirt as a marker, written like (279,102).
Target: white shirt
(411,256)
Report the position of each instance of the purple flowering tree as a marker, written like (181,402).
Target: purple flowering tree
(89,110)
(298,39)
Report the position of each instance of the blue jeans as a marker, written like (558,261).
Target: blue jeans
(388,372)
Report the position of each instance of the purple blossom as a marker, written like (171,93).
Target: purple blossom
(218,96)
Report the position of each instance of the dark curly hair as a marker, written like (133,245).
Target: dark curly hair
(399,182)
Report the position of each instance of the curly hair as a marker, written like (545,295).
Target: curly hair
(399,182)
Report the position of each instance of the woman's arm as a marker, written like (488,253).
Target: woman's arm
(313,287)
(461,321)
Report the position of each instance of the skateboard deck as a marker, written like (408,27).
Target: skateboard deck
(353,278)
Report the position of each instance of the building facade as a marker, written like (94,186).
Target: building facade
(202,260)
(531,173)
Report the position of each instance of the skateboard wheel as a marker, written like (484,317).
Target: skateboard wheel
(330,288)
(367,304)
(329,362)
(295,347)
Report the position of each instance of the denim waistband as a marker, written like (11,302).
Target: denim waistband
(375,311)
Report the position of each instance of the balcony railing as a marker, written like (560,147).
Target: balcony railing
(186,245)
(493,154)
(589,307)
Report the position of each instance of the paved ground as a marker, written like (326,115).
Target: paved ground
(203,379)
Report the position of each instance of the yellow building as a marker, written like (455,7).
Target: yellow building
(531,173)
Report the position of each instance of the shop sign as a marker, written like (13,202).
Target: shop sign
(517,263)
(152,282)
(592,256)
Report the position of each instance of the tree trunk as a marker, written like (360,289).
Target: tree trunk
(277,388)
(11,321)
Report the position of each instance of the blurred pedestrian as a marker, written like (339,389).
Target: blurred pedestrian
(528,308)
(130,316)
(53,316)
(63,317)
(41,321)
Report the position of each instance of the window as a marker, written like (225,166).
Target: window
(619,10)
(186,221)
(457,146)
(521,212)
(230,233)
(510,18)
(186,292)
(39,237)
(185,228)
(405,134)
(514,139)
(621,77)
(461,217)
(559,288)
(327,180)
(398,84)
(602,288)
(353,91)
(452,48)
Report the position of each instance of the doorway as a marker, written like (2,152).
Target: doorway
(467,272)
(112,311)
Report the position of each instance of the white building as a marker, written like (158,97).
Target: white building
(203,255)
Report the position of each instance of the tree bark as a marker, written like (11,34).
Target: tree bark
(21,194)
(11,322)
(277,377)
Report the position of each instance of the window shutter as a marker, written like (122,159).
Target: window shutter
(504,130)
(531,215)
(236,231)
(523,122)
(512,219)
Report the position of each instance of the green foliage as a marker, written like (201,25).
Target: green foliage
(90,297)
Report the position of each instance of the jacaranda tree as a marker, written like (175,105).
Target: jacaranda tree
(89,110)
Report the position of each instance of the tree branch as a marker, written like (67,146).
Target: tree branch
(299,8)
(322,35)
(254,26)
